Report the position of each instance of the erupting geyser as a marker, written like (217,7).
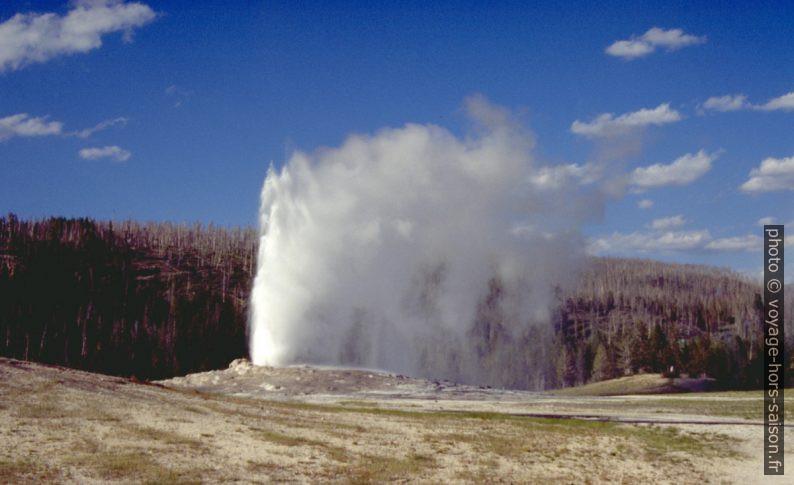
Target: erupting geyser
(415,251)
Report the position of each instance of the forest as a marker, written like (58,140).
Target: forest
(144,300)
(156,300)
(627,316)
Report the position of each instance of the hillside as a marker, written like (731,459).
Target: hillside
(627,316)
(150,300)
(159,300)
(639,384)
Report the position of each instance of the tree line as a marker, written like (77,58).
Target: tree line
(156,300)
(150,300)
(628,316)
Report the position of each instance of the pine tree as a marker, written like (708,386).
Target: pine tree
(659,358)
(603,364)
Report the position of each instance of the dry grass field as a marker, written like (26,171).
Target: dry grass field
(65,426)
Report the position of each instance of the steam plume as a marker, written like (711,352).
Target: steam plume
(414,250)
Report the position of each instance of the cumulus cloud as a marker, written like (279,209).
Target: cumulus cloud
(22,124)
(683,171)
(749,242)
(773,174)
(606,124)
(103,125)
(731,102)
(668,222)
(645,204)
(736,102)
(630,49)
(555,177)
(645,242)
(112,152)
(648,42)
(655,241)
(784,103)
(766,220)
(28,38)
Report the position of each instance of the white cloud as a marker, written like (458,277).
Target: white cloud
(555,177)
(749,242)
(645,204)
(22,124)
(648,42)
(606,124)
(773,174)
(785,103)
(630,49)
(644,242)
(28,38)
(668,222)
(112,152)
(731,102)
(684,170)
(670,241)
(736,102)
(671,39)
(766,220)
(99,127)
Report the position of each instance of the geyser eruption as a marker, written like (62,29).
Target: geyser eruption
(415,251)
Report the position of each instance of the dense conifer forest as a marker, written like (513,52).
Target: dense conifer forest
(156,300)
(150,300)
(637,315)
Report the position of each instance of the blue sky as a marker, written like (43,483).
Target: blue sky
(174,110)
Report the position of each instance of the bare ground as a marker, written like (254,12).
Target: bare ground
(317,425)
